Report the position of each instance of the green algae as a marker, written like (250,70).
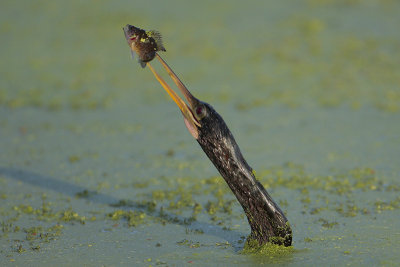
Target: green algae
(269,249)
(181,199)
(20,249)
(197,208)
(151,206)
(40,98)
(38,234)
(71,216)
(387,205)
(326,224)
(85,194)
(45,213)
(211,208)
(314,56)
(194,231)
(189,243)
(133,218)
(74,158)
(6,227)
(339,82)
(141,185)
(294,177)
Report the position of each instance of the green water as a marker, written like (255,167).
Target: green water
(97,168)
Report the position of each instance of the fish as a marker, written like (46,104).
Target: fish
(143,43)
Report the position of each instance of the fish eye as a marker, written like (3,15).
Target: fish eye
(200,112)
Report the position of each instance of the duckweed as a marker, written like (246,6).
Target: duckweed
(85,194)
(327,224)
(268,249)
(194,231)
(20,249)
(133,218)
(38,233)
(6,227)
(294,177)
(211,208)
(189,243)
(72,216)
(74,158)
(384,205)
(197,208)
(179,197)
(225,244)
(317,55)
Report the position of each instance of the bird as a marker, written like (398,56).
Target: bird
(267,221)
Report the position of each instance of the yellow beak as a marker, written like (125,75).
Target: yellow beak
(185,109)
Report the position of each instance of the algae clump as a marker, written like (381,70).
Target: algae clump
(134,218)
(272,250)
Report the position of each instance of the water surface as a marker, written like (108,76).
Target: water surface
(97,168)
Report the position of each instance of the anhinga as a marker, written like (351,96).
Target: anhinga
(266,219)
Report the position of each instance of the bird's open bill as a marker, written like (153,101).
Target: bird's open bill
(190,120)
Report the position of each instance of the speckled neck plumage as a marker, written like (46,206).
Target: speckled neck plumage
(267,221)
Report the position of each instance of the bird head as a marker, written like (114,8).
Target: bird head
(200,117)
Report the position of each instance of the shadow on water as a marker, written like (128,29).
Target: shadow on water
(71,190)
(50,183)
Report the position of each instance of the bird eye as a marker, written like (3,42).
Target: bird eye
(200,112)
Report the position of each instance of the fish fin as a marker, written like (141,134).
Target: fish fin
(158,38)
(143,64)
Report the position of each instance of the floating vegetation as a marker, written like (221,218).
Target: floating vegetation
(326,224)
(270,250)
(74,158)
(225,244)
(355,181)
(20,249)
(72,216)
(141,185)
(294,177)
(6,227)
(390,205)
(179,202)
(189,243)
(85,194)
(194,231)
(197,208)
(45,213)
(39,233)
(335,62)
(134,218)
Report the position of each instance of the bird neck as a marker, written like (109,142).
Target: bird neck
(266,219)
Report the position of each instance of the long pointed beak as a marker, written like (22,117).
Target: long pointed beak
(189,97)
(186,110)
